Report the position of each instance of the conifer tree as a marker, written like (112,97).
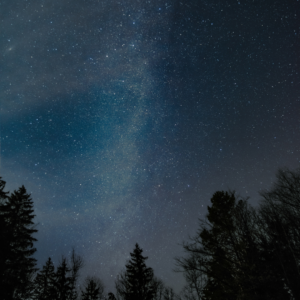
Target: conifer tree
(66,276)
(43,283)
(63,284)
(3,195)
(215,241)
(19,265)
(93,289)
(5,243)
(136,282)
(76,265)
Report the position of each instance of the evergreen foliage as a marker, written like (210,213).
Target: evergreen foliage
(94,289)
(60,284)
(62,281)
(137,281)
(44,282)
(18,265)
(238,253)
(5,242)
(76,265)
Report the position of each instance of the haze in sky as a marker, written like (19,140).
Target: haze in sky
(122,118)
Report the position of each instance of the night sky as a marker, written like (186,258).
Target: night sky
(122,118)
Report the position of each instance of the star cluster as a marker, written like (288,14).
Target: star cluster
(123,117)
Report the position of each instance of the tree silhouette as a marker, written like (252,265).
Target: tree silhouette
(5,242)
(76,265)
(230,251)
(94,289)
(238,253)
(169,294)
(220,283)
(43,283)
(195,278)
(62,283)
(18,265)
(136,282)
(280,220)
(66,277)
(111,296)
(158,289)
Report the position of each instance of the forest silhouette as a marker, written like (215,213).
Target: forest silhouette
(239,252)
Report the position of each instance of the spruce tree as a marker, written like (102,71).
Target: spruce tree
(66,277)
(43,283)
(221,280)
(63,283)
(93,289)
(136,282)
(18,264)
(5,243)
(76,265)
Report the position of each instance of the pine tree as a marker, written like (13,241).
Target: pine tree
(43,283)
(76,265)
(221,281)
(93,289)
(63,283)
(5,243)
(3,195)
(66,277)
(19,265)
(136,282)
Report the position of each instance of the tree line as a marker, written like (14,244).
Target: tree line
(239,252)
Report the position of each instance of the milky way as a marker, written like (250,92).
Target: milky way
(121,118)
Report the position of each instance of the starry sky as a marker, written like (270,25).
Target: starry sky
(122,118)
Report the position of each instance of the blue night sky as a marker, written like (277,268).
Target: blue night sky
(122,118)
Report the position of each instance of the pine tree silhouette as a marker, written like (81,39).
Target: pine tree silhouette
(136,282)
(18,265)
(63,281)
(76,265)
(5,242)
(43,283)
(93,289)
